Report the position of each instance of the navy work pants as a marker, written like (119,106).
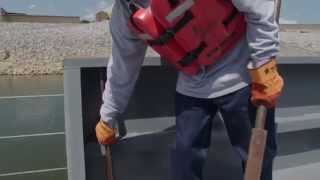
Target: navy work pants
(194,124)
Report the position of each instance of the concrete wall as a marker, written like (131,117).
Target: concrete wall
(39,19)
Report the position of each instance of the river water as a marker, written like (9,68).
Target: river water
(32,138)
(30,85)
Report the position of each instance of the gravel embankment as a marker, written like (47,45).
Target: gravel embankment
(31,48)
(37,48)
(305,40)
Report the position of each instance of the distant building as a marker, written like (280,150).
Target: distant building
(102,16)
(21,17)
(2,12)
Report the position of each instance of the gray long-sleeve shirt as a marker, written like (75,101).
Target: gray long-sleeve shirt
(227,75)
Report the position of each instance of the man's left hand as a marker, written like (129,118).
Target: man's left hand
(267,84)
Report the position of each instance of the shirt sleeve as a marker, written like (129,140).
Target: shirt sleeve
(124,65)
(262,29)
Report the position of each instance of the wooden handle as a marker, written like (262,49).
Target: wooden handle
(257,146)
(109,168)
(256,154)
(261,117)
(108,154)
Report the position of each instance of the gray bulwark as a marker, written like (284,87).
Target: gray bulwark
(154,60)
(150,122)
(305,172)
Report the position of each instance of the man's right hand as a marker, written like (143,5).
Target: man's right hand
(105,134)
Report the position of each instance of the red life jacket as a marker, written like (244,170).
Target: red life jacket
(189,34)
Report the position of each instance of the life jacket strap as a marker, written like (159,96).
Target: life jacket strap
(173,3)
(170,33)
(193,55)
(232,16)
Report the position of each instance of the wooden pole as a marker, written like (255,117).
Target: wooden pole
(109,165)
(107,148)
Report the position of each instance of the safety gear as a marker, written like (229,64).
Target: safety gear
(105,134)
(267,84)
(189,34)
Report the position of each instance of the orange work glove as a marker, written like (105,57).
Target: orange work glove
(105,134)
(267,84)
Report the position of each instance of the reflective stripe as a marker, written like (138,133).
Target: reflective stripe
(145,36)
(179,10)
